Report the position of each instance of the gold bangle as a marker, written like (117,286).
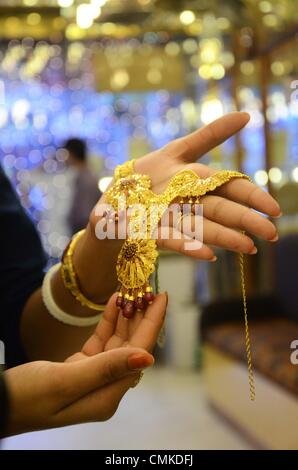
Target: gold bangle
(69,275)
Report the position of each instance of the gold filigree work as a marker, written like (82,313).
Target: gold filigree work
(185,184)
(136,262)
(137,258)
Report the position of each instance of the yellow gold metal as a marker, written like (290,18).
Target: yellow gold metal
(127,169)
(185,184)
(251,380)
(69,276)
(136,261)
(134,272)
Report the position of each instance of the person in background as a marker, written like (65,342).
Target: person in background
(86,192)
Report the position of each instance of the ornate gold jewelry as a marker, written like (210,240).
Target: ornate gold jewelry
(126,192)
(127,169)
(138,256)
(69,275)
(136,261)
(185,185)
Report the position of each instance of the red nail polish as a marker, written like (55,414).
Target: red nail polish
(140,361)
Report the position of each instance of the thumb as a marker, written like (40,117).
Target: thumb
(81,377)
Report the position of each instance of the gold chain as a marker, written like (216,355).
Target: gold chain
(251,380)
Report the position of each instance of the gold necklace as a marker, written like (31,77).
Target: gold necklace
(138,256)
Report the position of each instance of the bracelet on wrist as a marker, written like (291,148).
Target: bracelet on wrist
(69,275)
(55,310)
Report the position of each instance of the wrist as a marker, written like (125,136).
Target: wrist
(65,300)
(94,262)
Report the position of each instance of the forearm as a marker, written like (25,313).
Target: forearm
(95,264)
(43,336)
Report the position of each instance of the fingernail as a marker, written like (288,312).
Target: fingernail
(278,216)
(253,251)
(274,239)
(167,298)
(212,260)
(140,361)
(244,113)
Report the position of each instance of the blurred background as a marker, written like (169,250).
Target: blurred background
(127,77)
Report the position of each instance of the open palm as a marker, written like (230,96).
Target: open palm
(116,331)
(90,384)
(234,208)
(229,210)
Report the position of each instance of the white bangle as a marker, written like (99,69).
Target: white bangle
(56,311)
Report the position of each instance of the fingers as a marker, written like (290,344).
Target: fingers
(121,333)
(218,235)
(98,405)
(124,330)
(193,146)
(148,330)
(223,237)
(184,244)
(245,192)
(234,215)
(81,377)
(242,191)
(104,330)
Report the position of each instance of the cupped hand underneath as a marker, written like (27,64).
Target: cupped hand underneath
(90,384)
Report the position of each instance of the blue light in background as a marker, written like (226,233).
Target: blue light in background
(49,120)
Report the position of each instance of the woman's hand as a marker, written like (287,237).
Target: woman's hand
(51,394)
(116,331)
(226,211)
(89,385)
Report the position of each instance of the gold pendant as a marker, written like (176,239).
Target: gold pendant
(137,258)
